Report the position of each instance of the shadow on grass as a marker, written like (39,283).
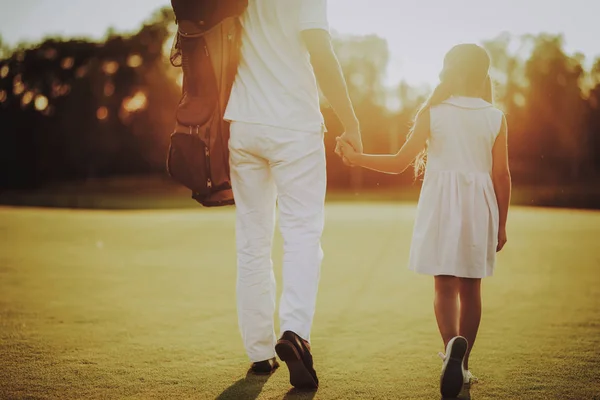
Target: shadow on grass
(295,394)
(465,394)
(247,388)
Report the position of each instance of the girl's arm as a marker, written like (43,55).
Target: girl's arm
(393,163)
(502,180)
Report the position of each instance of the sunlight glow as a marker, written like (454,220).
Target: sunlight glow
(27,97)
(135,103)
(4,71)
(519,99)
(134,61)
(19,88)
(110,67)
(102,113)
(41,102)
(3,96)
(67,63)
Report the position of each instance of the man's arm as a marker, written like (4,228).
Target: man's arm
(332,82)
(314,28)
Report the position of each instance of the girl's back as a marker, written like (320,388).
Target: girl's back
(463,132)
(463,206)
(456,226)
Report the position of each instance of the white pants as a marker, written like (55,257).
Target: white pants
(270,165)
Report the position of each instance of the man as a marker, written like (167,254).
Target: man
(277,155)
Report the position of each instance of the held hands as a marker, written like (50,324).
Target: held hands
(347,152)
(349,146)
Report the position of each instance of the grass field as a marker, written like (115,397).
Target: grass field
(141,305)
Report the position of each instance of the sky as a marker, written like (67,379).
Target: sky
(419,32)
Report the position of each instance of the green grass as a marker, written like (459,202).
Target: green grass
(141,305)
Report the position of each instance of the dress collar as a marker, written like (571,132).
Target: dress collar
(473,103)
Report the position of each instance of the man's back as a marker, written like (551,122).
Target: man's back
(276,84)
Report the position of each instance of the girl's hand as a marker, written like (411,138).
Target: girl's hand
(348,152)
(501,239)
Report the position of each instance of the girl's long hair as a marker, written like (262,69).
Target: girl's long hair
(442,92)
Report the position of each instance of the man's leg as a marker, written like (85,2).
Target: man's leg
(254,193)
(300,175)
(298,167)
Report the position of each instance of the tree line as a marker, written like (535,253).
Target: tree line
(77,109)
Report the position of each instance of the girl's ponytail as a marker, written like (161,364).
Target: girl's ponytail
(442,92)
(488,90)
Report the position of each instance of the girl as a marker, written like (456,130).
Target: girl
(463,206)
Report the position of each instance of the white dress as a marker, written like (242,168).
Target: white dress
(456,226)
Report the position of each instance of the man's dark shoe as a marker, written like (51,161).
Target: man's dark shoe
(266,367)
(295,351)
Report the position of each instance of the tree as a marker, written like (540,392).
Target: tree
(4,49)
(77,110)
(556,108)
(593,117)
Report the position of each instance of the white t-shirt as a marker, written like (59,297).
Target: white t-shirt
(275,84)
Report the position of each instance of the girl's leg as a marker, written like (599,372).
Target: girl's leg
(470,311)
(446,306)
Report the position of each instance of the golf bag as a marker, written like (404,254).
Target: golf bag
(207,48)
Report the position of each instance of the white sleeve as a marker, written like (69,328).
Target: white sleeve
(313,15)
(496,122)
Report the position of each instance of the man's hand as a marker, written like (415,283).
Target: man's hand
(354,139)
